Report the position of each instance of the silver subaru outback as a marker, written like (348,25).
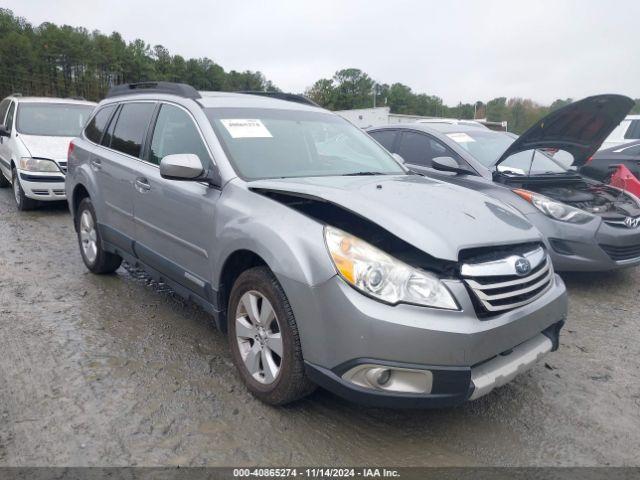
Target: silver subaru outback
(324,259)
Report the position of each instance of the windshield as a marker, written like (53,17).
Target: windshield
(270,143)
(52,119)
(487,146)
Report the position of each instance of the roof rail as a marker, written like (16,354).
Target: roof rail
(289,97)
(179,89)
(16,94)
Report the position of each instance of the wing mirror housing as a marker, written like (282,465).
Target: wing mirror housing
(4,132)
(448,164)
(188,167)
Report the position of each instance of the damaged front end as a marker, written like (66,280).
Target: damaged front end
(612,204)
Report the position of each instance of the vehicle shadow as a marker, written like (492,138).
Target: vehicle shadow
(609,280)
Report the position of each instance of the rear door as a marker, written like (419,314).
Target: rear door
(117,167)
(175,219)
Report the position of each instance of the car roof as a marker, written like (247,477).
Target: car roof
(73,101)
(435,127)
(247,100)
(215,99)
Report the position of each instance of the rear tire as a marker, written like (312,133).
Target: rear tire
(93,255)
(23,202)
(264,339)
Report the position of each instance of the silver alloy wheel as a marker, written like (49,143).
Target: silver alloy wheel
(259,337)
(16,189)
(88,236)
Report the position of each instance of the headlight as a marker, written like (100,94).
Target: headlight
(381,276)
(38,165)
(553,209)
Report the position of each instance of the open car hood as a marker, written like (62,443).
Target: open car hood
(578,128)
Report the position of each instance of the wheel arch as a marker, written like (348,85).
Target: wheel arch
(236,262)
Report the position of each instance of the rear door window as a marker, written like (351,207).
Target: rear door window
(98,124)
(131,127)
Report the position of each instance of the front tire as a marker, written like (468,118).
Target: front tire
(94,256)
(264,339)
(23,202)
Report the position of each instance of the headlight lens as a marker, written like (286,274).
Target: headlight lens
(553,209)
(381,276)
(38,165)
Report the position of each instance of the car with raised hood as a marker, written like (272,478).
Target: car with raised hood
(34,138)
(323,258)
(587,225)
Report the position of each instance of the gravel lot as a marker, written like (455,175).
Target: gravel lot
(115,370)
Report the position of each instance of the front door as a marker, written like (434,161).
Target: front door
(175,229)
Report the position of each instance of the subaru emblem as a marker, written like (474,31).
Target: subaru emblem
(522,266)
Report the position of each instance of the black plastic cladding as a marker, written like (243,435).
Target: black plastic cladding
(179,89)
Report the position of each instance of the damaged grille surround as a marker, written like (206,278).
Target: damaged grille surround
(497,288)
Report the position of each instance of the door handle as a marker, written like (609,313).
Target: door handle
(96,164)
(142,185)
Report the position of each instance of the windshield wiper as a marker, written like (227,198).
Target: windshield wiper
(357,174)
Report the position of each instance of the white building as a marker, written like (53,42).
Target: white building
(373,117)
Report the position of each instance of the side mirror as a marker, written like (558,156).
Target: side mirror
(448,164)
(181,166)
(398,158)
(4,132)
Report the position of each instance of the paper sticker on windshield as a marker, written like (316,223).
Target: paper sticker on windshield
(245,128)
(460,137)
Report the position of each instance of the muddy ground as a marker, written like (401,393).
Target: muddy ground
(114,370)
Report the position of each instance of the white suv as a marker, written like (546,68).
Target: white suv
(627,131)
(34,139)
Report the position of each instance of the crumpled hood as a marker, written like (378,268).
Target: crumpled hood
(54,148)
(578,128)
(436,217)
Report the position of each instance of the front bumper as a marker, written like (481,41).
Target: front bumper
(341,328)
(595,246)
(43,186)
(450,386)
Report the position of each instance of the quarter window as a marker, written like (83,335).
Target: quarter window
(131,127)
(4,106)
(633,132)
(175,133)
(9,123)
(98,124)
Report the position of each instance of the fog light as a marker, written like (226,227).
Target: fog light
(379,376)
(390,379)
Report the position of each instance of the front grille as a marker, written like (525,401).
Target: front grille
(40,192)
(63,167)
(617,253)
(496,287)
(58,192)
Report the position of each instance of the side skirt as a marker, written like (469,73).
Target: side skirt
(205,297)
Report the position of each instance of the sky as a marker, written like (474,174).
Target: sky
(460,50)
